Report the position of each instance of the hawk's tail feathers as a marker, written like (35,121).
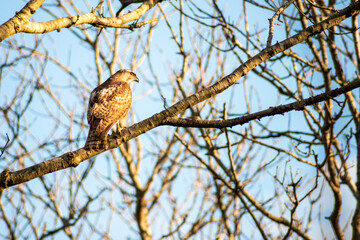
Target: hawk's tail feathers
(95,145)
(94,142)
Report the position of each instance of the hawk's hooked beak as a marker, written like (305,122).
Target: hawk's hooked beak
(136,79)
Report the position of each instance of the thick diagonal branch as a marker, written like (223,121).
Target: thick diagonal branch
(72,159)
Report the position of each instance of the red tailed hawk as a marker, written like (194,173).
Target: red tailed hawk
(109,102)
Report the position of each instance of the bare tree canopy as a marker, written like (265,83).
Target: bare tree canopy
(246,124)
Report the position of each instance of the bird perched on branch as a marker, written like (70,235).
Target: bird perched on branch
(109,103)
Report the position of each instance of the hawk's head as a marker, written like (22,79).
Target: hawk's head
(124,75)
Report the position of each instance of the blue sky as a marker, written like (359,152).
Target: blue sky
(77,56)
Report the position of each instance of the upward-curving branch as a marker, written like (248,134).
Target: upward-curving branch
(21,21)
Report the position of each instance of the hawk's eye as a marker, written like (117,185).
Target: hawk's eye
(133,74)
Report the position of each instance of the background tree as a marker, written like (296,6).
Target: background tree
(187,166)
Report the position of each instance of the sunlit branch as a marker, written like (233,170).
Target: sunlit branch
(21,21)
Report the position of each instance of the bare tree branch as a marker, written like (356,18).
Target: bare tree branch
(21,21)
(298,106)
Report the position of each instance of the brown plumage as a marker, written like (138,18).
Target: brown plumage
(108,103)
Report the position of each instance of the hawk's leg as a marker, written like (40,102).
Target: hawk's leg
(118,127)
